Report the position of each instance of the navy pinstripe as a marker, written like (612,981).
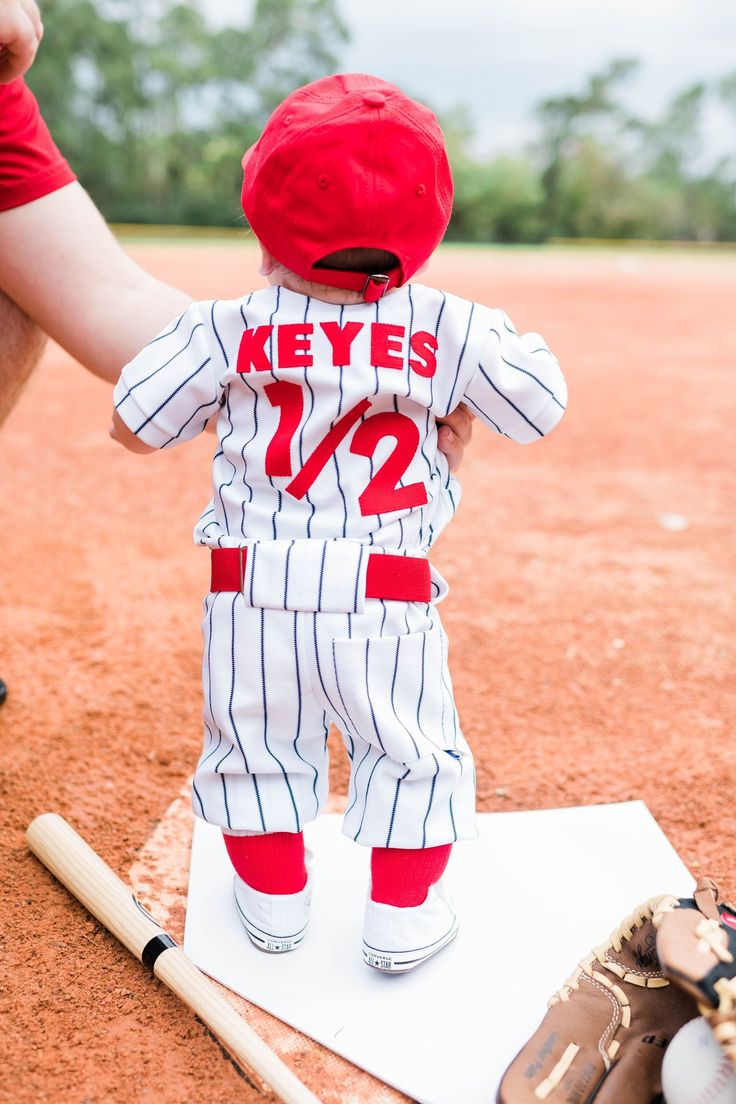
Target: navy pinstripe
(354,779)
(252,438)
(368,695)
(409,333)
(222,453)
(393,702)
(232,683)
(440,312)
(173,394)
(329,701)
(229,434)
(265,724)
(513,405)
(450,404)
(168,333)
(299,717)
(279,496)
(161,367)
(202,406)
(304,427)
(286,574)
(431,799)
(394,808)
(345,727)
(481,414)
(253,552)
(526,371)
(367,792)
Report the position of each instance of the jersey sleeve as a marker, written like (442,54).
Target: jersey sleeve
(517,388)
(169,391)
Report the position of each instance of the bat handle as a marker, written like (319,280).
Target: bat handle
(92,882)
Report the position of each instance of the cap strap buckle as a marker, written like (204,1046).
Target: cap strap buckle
(375,287)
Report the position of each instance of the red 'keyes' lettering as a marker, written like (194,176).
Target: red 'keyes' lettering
(341,338)
(424,345)
(294,345)
(386,349)
(252,350)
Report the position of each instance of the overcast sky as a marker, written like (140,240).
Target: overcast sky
(500,58)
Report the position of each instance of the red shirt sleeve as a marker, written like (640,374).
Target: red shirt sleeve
(31,166)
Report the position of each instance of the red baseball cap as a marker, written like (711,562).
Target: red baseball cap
(349,161)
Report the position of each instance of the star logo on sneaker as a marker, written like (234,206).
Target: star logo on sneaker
(380,962)
(279,944)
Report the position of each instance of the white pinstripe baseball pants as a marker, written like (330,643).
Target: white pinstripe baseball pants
(273,681)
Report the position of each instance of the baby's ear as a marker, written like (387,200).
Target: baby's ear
(268,261)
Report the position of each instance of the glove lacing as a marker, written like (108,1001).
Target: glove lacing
(653,909)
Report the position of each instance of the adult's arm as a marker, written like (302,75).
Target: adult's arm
(62,265)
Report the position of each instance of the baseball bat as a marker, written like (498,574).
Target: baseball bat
(92,882)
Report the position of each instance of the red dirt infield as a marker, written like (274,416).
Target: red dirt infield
(591,623)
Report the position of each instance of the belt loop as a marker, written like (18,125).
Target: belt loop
(242,556)
(228,569)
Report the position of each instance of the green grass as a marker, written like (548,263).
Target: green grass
(182,235)
(193,236)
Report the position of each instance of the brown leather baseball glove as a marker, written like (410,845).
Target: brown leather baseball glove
(605,1032)
(696,945)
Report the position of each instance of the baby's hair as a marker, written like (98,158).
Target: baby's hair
(360,260)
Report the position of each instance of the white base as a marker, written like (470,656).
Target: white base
(534,894)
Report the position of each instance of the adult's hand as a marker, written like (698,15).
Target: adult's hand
(21,31)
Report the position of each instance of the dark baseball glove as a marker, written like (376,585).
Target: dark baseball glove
(696,945)
(605,1032)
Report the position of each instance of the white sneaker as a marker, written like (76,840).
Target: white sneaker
(399,939)
(275,922)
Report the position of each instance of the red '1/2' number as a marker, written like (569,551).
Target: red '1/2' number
(290,398)
(382,495)
(327,447)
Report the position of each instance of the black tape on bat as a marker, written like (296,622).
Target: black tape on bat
(155,947)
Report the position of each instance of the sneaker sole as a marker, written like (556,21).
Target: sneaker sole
(266,941)
(398,962)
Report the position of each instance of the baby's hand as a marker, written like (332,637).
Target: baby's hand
(454,434)
(21,31)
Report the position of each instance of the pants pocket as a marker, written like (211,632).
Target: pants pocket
(396,696)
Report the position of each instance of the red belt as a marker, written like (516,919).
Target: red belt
(396,578)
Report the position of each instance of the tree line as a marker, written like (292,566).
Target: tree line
(154,108)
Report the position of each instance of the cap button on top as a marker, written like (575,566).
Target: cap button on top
(374,99)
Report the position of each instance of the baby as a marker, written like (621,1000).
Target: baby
(328,492)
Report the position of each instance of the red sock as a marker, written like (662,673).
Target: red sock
(270,863)
(402,877)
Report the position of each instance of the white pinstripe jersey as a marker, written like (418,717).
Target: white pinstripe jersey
(326,422)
